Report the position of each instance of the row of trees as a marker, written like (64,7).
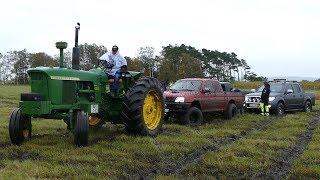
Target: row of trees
(175,62)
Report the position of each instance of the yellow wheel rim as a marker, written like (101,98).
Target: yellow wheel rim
(25,133)
(93,120)
(152,110)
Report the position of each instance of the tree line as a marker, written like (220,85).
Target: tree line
(174,62)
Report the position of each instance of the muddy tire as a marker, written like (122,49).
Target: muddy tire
(81,128)
(143,107)
(307,107)
(280,109)
(193,117)
(242,111)
(231,111)
(19,127)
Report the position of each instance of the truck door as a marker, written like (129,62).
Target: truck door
(290,97)
(220,97)
(208,99)
(299,96)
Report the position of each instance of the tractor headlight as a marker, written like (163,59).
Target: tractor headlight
(271,98)
(179,99)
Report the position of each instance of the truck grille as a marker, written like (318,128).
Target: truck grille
(254,99)
(170,99)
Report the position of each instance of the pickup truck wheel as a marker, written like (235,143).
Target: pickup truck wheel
(231,111)
(241,111)
(307,107)
(194,117)
(280,109)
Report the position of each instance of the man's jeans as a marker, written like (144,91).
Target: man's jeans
(115,86)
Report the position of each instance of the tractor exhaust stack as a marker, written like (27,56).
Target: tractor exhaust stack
(76,51)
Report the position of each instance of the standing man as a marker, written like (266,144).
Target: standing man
(114,64)
(265,99)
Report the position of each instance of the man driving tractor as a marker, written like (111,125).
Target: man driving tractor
(114,64)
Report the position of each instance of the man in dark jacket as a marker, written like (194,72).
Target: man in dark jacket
(265,99)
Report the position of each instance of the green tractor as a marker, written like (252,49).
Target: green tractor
(83,100)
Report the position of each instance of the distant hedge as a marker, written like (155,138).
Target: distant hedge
(253,85)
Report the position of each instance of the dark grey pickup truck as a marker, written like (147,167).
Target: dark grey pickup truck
(284,96)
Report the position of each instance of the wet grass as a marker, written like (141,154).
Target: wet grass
(308,165)
(253,155)
(114,154)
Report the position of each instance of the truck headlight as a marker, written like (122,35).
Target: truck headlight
(179,99)
(246,98)
(271,98)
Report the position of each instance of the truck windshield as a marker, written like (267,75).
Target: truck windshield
(278,88)
(186,85)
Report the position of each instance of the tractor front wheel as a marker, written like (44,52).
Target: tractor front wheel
(19,127)
(81,129)
(143,107)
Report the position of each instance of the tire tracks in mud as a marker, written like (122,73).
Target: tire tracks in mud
(281,167)
(176,167)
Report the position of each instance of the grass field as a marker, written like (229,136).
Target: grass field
(248,147)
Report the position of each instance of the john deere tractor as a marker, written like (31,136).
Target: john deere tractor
(83,100)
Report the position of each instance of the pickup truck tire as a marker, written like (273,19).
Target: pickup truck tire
(231,111)
(194,117)
(241,110)
(280,109)
(307,107)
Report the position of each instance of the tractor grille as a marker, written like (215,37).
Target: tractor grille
(69,92)
(170,99)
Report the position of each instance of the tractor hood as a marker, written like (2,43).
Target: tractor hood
(71,74)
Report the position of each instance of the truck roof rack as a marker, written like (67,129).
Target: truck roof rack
(282,80)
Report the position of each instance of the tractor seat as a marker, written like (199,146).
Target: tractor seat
(112,81)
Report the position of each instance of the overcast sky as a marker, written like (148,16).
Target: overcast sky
(275,37)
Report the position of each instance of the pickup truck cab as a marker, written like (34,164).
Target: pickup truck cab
(188,99)
(284,96)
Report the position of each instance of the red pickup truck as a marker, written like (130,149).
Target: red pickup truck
(188,99)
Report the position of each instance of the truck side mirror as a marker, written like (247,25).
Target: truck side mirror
(206,90)
(289,91)
(253,90)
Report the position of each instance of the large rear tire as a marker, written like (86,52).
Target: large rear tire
(19,127)
(81,130)
(143,107)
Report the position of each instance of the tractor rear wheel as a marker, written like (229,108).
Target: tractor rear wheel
(143,107)
(81,128)
(19,127)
